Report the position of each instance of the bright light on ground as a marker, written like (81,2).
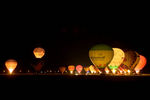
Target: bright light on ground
(10,70)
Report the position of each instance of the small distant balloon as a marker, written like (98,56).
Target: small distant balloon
(39,52)
(87,69)
(62,69)
(11,64)
(79,68)
(92,69)
(71,68)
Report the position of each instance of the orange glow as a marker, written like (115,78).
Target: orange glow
(141,63)
(39,52)
(106,70)
(11,64)
(137,71)
(129,71)
(71,68)
(86,69)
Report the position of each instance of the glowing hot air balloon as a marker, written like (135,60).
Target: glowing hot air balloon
(71,68)
(118,58)
(11,64)
(79,68)
(86,69)
(39,52)
(92,69)
(141,64)
(101,55)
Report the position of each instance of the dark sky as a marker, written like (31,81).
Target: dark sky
(68,39)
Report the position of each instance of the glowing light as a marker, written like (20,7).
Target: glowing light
(118,58)
(39,52)
(10,70)
(121,71)
(11,64)
(114,71)
(101,55)
(106,70)
(129,71)
(137,72)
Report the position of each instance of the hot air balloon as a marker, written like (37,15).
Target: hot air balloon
(101,55)
(130,58)
(38,66)
(39,52)
(87,69)
(141,64)
(92,69)
(136,61)
(71,68)
(118,58)
(11,64)
(79,68)
(62,69)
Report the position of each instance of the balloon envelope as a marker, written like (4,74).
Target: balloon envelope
(130,58)
(86,69)
(79,68)
(71,67)
(118,58)
(101,55)
(38,66)
(62,69)
(39,52)
(136,61)
(11,64)
(141,63)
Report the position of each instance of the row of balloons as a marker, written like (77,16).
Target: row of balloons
(115,59)
(103,57)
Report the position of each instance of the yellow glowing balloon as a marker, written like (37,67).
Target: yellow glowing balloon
(101,55)
(39,52)
(118,58)
(92,69)
(11,64)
